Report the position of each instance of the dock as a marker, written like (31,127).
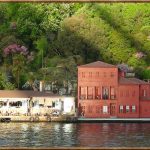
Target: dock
(71,119)
(123,120)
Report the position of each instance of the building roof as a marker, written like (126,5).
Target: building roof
(98,64)
(131,81)
(24,94)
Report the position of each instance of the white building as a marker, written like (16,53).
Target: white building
(43,105)
(15,102)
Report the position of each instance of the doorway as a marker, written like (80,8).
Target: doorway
(113,109)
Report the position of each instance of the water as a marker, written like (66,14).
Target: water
(77,134)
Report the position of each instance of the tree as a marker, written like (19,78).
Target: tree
(60,73)
(5,84)
(18,67)
(41,45)
(82,36)
(55,33)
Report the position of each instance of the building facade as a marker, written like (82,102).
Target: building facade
(17,102)
(105,92)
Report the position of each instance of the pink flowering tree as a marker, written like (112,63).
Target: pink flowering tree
(15,48)
(17,56)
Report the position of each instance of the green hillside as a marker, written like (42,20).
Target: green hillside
(48,41)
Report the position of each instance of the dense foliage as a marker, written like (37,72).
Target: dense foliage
(48,41)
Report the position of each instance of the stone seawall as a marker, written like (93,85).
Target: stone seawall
(37,119)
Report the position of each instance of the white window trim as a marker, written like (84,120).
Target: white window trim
(121,107)
(105,109)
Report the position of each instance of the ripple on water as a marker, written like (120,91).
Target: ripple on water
(81,134)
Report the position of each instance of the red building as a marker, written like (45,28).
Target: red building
(104,91)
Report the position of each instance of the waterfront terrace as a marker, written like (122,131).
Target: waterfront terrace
(34,103)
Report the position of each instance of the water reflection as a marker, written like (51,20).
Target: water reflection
(81,134)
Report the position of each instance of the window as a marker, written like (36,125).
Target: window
(112,93)
(97,93)
(79,74)
(56,103)
(105,92)
(90,74)
(18,103)
(82,110)
(53,104)
(127,108)
(101,109)
(144,93)
(35,103)
(121,109)
(62,105)
(133,108)
(83,74)
(82,92)
(3,103)
(105,109)
(97,74)
(90,92)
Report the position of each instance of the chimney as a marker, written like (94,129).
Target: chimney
(41,86)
